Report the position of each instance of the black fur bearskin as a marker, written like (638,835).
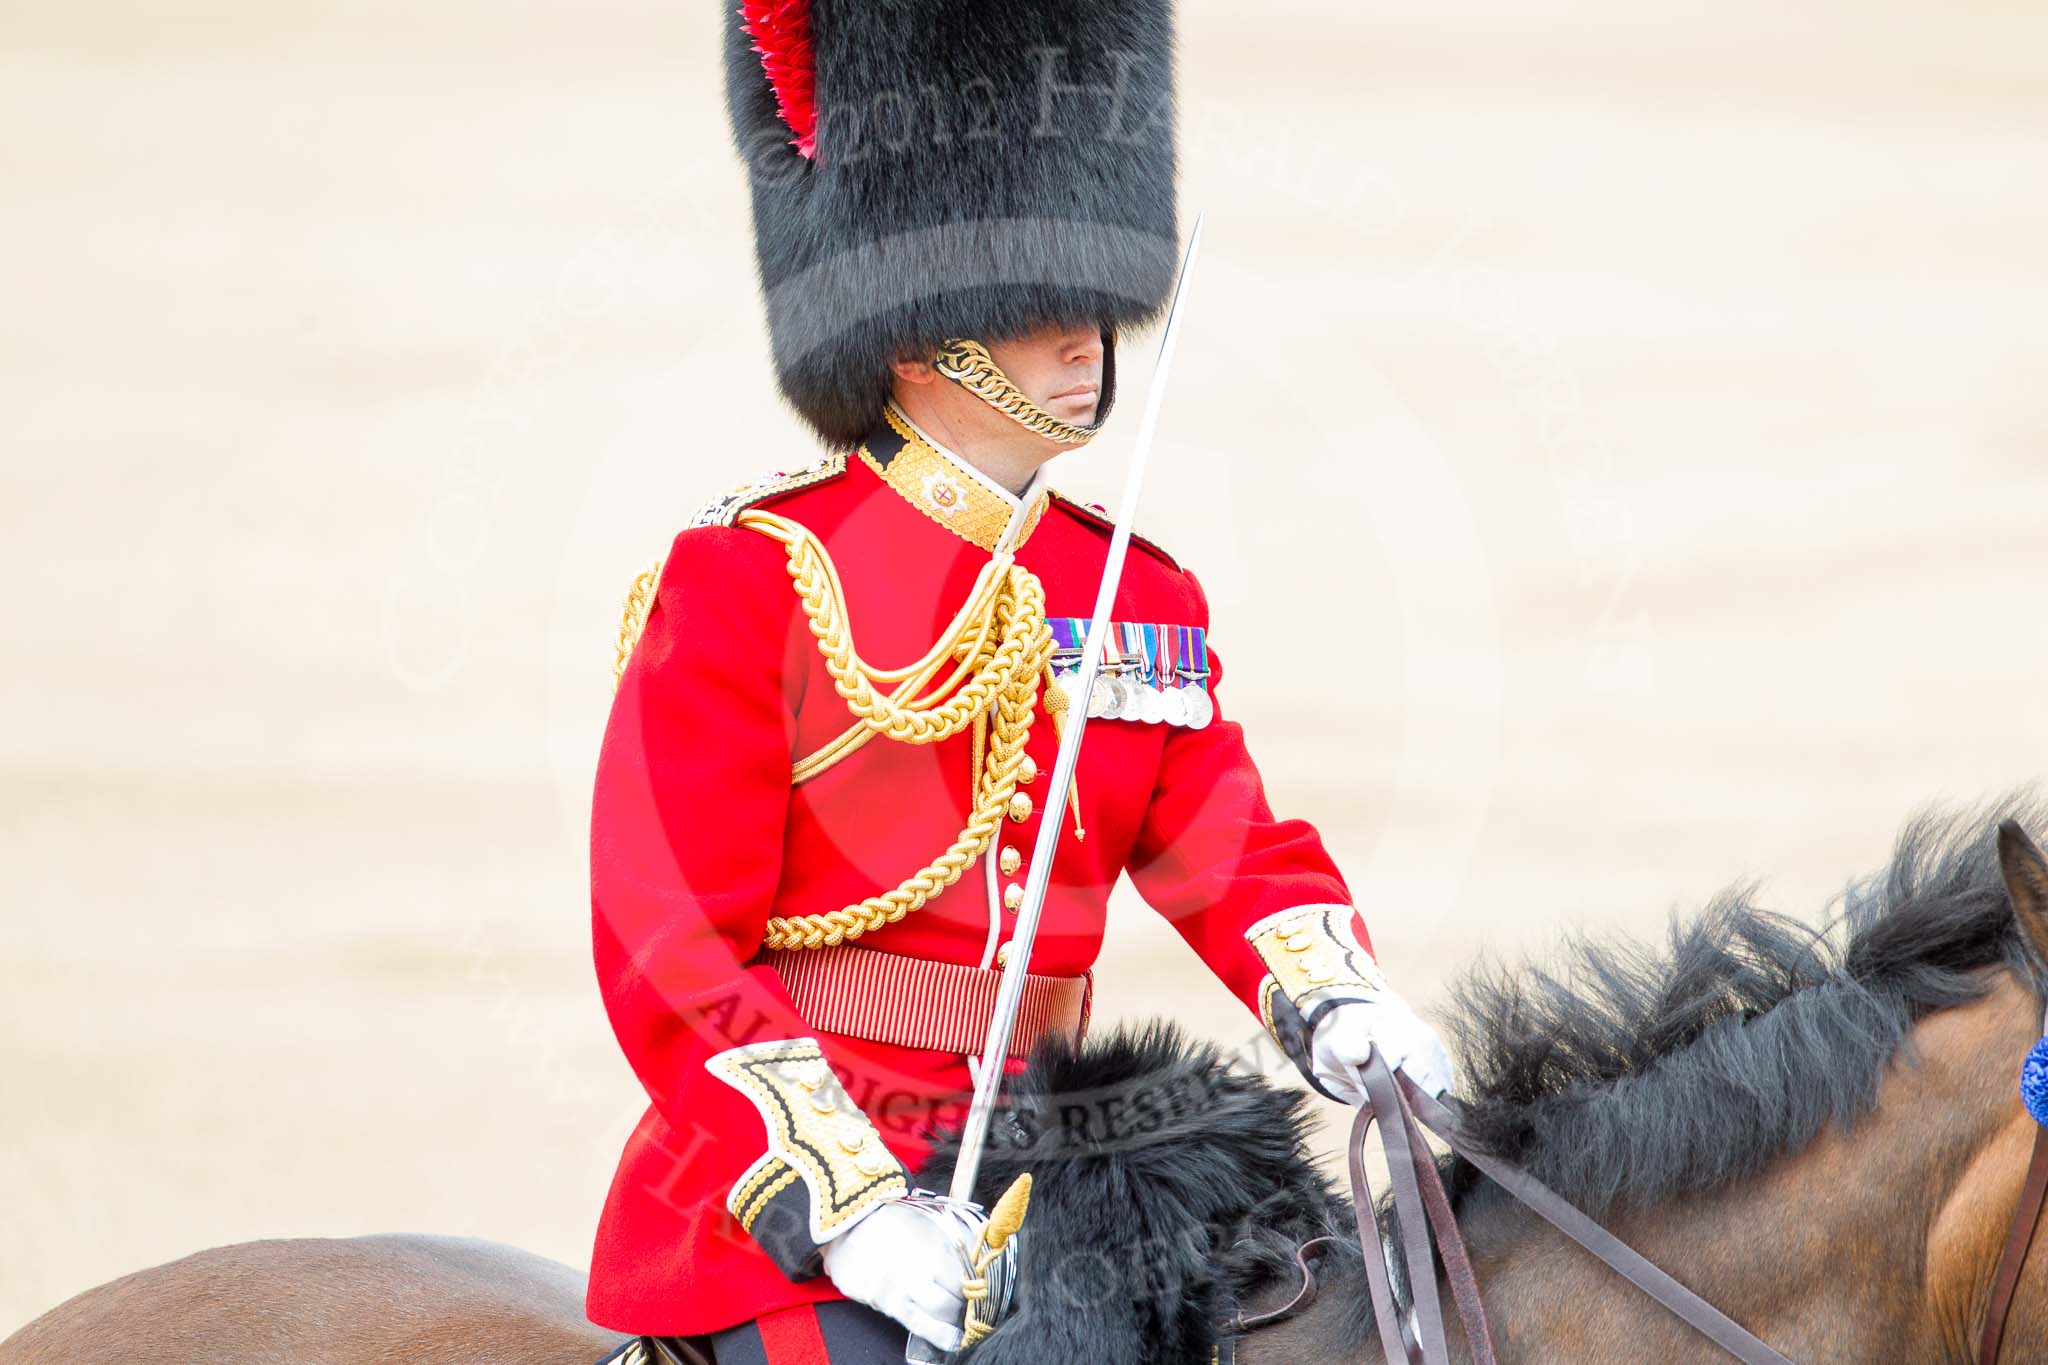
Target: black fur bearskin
(980,169)
(1166,1184)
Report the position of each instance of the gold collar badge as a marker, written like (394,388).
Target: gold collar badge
(946,488)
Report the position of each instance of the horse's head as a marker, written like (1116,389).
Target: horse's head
(2016,1305)
(1967,1136)
(1821,1133)
(2026,884)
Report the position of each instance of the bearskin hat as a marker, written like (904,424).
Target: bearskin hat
(923,170)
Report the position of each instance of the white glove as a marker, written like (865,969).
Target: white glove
(906,1260)
(1346,1036)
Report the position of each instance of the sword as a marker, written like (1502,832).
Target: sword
(988,1076)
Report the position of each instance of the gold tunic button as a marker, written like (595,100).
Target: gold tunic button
(1003,955)
(1010,861)
(1013,896)
(1020,807)
(1027,771)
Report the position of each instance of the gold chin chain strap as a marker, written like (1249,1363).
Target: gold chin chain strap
(968,364)
(999,649)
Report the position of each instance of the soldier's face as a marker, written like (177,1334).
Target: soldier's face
(1058,368)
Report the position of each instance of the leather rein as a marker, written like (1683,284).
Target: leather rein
(1423,1206)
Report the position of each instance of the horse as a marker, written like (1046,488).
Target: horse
(1816,1129)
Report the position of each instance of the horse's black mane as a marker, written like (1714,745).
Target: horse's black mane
(1626,1074)
(1171,1185)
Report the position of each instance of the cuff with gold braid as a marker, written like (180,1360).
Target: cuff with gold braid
(825,1167)
(1313,964)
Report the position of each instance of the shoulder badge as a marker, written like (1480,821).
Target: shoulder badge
(721,511)
(1096,516)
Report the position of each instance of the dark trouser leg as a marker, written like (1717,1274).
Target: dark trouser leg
(830,1334)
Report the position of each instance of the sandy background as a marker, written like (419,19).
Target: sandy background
(1614,437)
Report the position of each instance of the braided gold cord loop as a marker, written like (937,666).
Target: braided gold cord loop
(913,722)
(633,618)
(1000,648)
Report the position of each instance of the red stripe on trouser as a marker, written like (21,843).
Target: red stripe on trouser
(793,1337)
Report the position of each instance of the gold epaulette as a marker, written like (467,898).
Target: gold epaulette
(723,511)
(720,511)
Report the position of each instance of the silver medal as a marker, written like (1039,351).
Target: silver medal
(1173,704)
(1105,698)
(1201,710)
(1130,699)
(1065,681)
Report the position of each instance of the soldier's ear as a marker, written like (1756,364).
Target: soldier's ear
(912,368)
(2026,884)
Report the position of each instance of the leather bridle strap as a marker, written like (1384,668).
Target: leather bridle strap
(1396,1101)
(1305,1256)
(2026,1219)
(1421,1205)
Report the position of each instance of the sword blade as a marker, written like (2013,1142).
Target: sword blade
(1002,1024)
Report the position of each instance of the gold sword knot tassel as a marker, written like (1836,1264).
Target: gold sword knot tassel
(1056,704)
(1003,1224)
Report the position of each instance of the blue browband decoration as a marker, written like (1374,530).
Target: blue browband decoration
(2034,1083)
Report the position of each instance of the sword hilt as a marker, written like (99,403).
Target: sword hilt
(996,1235)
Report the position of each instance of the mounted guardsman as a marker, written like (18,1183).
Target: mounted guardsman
(839,694)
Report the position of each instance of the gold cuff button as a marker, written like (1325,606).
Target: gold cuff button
(1013,897)
(1020,807)
(1027,771)
(1010,861)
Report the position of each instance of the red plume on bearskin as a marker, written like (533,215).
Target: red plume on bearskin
(781,30)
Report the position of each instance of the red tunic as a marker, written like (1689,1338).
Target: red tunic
(697,837)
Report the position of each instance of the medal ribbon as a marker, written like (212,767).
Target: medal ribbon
(1135,641)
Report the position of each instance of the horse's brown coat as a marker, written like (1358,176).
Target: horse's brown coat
(389,1300)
